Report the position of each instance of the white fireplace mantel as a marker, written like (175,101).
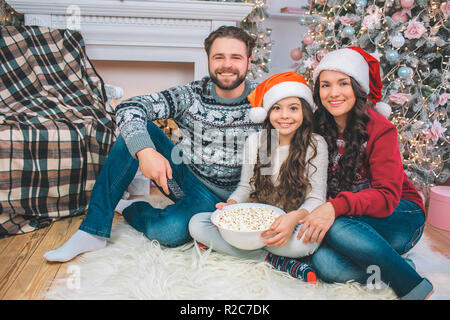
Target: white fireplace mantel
(169,30)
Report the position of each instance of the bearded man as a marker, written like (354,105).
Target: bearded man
(205,165)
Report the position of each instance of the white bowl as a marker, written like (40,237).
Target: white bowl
(246,240)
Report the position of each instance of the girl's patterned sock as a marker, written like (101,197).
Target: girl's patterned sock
(295,268)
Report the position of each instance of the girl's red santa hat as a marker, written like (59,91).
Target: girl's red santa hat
(275,88)
(361,66)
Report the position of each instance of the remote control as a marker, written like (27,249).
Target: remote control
(175,188)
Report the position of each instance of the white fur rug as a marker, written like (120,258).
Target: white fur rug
(133,267)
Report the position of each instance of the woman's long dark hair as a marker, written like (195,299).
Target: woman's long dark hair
(290,193)
(354,136)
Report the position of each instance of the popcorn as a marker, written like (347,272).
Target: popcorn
(246,218)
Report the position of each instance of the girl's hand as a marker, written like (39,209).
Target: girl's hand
(220,205)
(317,223)
(282,228)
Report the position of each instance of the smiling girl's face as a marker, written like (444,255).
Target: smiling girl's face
(337,95)
(286,116)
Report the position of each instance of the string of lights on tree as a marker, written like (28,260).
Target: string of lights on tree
(9,17)
(253,23)
(409,38)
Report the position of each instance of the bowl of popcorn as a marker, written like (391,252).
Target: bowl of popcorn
(242,224)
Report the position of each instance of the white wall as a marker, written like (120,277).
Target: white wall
(143,77)
(146,77)
(287,34)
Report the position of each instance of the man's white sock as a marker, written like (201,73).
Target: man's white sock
(79,243)
(126,203)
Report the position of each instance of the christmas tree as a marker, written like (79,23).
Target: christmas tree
(409,38)
(9,17)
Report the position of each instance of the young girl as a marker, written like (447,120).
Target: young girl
(294,179)
(373,214)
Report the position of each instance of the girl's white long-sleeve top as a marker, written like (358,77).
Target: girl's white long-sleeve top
(317,172)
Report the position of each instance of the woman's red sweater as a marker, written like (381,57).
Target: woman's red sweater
(389,182)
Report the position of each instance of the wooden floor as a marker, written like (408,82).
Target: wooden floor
(26,275)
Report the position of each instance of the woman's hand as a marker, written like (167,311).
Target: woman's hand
(317,223)
(220,205)
(283,227)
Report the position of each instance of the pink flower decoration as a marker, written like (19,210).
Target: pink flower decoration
(370,21)
(399,98)
(436,131)
(442,99)
(415,29)
(345,20)
(445,7)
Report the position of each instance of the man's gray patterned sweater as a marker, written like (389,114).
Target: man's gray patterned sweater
(213,129)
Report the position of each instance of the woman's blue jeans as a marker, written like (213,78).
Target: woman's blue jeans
(169,225)
(355,248)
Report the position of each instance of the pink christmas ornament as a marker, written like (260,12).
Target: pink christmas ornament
(307,39)
(296,54)
(399,16)
(407,4)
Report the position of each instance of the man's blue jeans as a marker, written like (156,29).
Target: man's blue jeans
(169,225)
(356,247)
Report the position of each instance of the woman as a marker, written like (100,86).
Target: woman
(373,214)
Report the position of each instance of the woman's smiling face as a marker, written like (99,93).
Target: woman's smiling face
(337,95)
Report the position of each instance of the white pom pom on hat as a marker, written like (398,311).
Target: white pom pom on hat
(383,108)
(275,88)
(362,67)
(257,114)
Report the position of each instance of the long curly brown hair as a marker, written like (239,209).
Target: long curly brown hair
(354,136)
(290,193)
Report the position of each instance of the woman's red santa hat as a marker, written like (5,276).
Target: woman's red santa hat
(361,66)
(275,88)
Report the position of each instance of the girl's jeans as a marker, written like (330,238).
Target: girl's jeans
(365,249)
(169,225)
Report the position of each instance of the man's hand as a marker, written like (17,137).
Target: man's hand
(155,167)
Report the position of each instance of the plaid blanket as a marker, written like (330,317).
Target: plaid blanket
(55,133)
